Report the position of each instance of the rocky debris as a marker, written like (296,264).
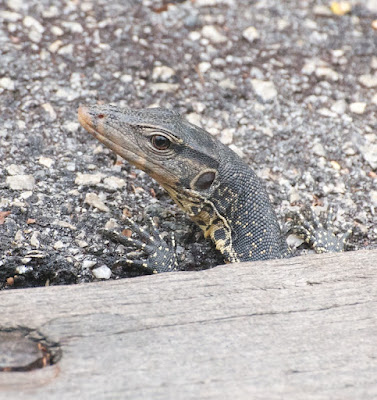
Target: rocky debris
(290,88)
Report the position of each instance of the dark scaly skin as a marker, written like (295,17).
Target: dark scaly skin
(214,186)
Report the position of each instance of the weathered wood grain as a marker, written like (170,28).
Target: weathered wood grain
(305,327)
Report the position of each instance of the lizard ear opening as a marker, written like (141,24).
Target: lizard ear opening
(204,180)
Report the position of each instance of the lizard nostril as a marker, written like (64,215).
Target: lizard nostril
(100,116)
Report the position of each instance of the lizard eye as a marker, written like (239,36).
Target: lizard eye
(160,142)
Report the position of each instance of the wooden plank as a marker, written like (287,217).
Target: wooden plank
(305,327)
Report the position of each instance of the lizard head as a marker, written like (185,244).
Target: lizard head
(182,157)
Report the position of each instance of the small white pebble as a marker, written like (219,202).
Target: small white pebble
(264,89)
(213,34)
(126,78)
(373,197)
(194,36)
(15,169)
(82,243)
(50,110)
(250,34)
(204,67)
(114,183)
(88,179)
(23,269)
(57,31)
(369,81)
(93,200)
(58,245)
(21,182)
(55,46)
(111,224)
(34,240)
(102,272)
(162,73)
(358,107)
(86,264)
(45,161)
(7,83)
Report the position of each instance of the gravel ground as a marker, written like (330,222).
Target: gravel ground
(289,85)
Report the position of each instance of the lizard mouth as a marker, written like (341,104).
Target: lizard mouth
(94,123)
(86,121)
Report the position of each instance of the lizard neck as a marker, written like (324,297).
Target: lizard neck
(252,229)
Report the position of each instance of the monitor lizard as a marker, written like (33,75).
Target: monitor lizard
(209,181)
